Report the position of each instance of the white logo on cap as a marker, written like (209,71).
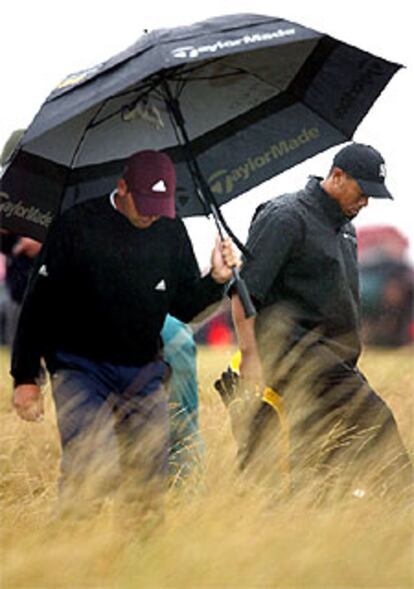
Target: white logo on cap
(159,186)
(161,285)
(383,171)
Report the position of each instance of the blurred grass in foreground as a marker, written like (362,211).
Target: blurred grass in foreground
(220,532)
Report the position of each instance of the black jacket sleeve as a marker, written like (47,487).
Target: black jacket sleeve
(36,317)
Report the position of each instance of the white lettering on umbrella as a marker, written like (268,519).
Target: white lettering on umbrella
(189,51)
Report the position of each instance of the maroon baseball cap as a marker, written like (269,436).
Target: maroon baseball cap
(150,177)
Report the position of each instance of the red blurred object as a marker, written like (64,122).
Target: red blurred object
(381,241)
(219,333)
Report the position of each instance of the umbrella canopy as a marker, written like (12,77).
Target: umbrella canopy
(255,95)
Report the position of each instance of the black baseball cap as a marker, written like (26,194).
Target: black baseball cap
(366,166)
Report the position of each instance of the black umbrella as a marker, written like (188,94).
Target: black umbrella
(233,100)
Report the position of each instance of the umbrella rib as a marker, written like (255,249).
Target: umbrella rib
(201,187)
(78,149)
(182,144)
(237,72)
(197,78)
(87,128)
(183,69)
(130,106)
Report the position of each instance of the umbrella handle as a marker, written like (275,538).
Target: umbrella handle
(238,282)
(244,295)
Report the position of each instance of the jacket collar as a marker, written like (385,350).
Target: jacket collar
(326,203)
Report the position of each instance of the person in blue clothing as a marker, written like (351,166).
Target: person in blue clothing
(186,445)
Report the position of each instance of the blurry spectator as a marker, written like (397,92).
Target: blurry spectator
(20,253)
(387,286)
(10,146)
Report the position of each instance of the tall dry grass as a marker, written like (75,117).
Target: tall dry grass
(221,530)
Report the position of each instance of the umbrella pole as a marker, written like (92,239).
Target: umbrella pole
(207,198)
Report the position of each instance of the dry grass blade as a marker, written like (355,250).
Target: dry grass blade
(220,530)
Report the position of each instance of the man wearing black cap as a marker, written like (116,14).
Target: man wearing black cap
(109,272)
(304,342)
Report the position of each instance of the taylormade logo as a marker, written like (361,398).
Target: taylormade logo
(19,209)
(190,51)
(224,181)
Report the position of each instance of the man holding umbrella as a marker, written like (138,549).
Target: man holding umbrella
(304,342)
(109,272)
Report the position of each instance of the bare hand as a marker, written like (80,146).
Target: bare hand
(223,258)
(27,246)
(28,402)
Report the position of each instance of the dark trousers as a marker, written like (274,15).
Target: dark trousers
(114,433)
(339,426)
(347,429)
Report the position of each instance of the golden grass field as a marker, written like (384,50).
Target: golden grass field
(223,533)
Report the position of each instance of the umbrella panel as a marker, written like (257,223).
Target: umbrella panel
(306,93)
(210,95)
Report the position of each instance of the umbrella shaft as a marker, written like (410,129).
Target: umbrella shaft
(207,198)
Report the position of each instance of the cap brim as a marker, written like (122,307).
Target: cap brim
(374,189)
(155,206)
